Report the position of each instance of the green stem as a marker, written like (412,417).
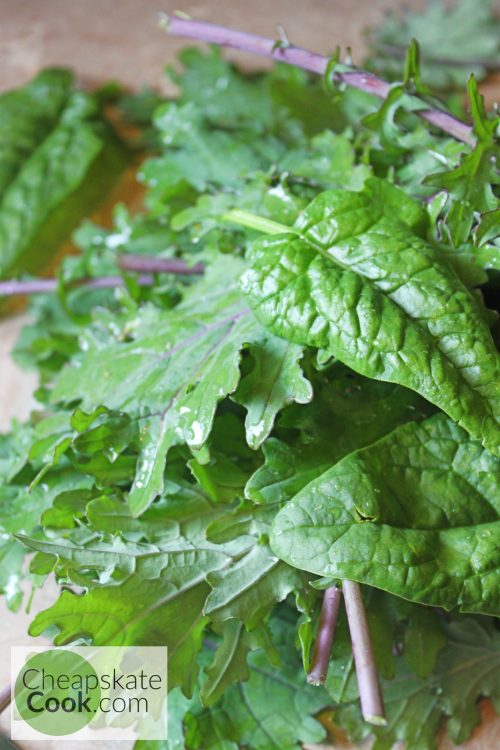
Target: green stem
(259,223)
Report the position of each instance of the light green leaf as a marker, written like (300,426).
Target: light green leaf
(178,366)
(275,381)
(11,562)
(472,35)
(136,612)
(183,511)
(178,705)
(182,558)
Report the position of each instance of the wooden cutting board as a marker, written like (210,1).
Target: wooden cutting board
(119,39)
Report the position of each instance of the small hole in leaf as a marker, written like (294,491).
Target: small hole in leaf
(362,516)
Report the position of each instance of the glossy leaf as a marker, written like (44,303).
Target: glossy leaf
(362,284)
(415,514)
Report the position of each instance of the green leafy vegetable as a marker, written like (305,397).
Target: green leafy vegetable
(415,514)
(214,449)
(363,285)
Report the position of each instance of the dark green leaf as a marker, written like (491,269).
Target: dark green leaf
(362,284)
(415,514)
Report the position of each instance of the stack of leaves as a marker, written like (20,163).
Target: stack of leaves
(319,404)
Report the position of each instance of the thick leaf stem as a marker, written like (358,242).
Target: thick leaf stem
(324,636)
(254,221)
(144,265)
(372,706)
(311,61)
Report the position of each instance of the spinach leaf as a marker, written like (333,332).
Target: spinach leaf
(362,283)
(415,514)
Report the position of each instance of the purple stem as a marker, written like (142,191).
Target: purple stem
(311,61)
(142,264)
(324,636)
(44,286)
(372,705)
(147,264)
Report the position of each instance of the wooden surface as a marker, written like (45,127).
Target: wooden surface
(103,39)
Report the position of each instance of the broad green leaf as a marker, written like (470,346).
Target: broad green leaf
(362,284)
(415,514)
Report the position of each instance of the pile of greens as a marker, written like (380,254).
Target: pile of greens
(317,400)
